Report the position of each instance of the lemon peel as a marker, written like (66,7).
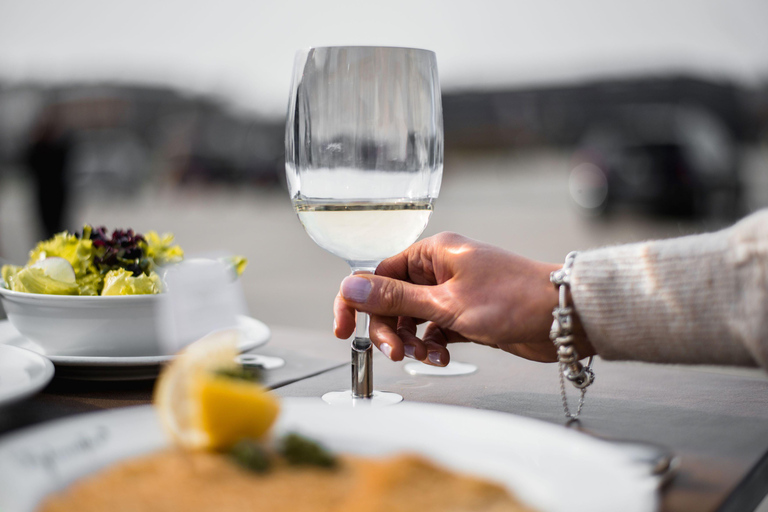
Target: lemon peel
(202,409)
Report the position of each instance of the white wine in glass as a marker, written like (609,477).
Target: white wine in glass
(364,162)
(364,231)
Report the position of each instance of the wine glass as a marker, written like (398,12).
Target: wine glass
(364,162)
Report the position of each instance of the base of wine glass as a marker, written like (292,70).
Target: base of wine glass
(452,369)
(345,399)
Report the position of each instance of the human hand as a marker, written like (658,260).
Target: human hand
(467,290)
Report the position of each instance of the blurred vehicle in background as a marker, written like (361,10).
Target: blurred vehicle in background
(667,159)
(667,144)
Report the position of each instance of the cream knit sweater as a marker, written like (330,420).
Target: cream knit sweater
(699,299)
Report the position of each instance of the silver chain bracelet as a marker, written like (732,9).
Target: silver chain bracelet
(561,334)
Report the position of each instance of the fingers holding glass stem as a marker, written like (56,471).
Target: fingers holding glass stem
(395,336)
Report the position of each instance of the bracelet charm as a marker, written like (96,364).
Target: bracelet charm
(561,334)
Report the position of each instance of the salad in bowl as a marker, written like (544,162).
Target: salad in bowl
(93,262)
(93,292)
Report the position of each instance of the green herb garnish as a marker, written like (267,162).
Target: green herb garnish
(298,451)
(248,373)
(251,455)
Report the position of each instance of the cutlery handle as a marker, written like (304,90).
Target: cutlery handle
(661,462)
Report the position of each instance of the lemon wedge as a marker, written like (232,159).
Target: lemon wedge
(202,408)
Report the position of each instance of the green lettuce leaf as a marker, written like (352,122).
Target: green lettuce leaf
(78,252)
(90,284)
(34,280)
(8,273)
(238,263)
(122,282)
(160,250)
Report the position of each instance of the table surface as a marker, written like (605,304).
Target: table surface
(714,420)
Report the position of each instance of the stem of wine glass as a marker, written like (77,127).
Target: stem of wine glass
(362,352)
(362,359)
(361,327)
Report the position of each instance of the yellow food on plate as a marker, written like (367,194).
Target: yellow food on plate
(205,403)
(175,480)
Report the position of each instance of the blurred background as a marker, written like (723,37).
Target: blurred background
(568,125)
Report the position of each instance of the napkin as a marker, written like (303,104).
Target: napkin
(202,295)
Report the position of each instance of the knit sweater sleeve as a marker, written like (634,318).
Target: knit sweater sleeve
(699,299)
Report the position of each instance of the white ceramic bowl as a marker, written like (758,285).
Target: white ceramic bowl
(69,325)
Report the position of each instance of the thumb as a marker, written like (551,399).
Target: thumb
(391,297)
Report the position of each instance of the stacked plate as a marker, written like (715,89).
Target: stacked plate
(117,367)
(22,373)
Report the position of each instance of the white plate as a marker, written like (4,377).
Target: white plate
(255,334)
(22,373)
(550,467)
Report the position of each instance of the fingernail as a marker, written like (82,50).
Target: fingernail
(410,351)
(355,288)
(435,357)
(335,325)
(387,349)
